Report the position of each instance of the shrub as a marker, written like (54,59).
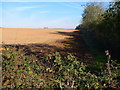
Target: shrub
(22,71)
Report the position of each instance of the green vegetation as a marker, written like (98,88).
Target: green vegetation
(101,30)
(99,58)
(55,71)
(104,25)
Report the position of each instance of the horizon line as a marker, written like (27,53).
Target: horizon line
(38,28)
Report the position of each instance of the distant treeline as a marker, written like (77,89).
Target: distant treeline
(103,24)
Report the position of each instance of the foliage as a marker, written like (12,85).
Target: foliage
(108,30)
(73,74)
(92,14)
(104,25)
(22,71)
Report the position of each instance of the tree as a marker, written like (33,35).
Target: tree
(109,28)
(92,13)
(104,24)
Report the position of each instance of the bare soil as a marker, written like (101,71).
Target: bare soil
(45,41)
(28,36)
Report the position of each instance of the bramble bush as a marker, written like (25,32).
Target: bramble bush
(20,71)
(54,71)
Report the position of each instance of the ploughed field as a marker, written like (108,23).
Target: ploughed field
(46,41)
(28,36)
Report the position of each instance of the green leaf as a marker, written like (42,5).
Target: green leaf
(8,55)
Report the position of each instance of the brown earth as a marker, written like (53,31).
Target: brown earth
(28,36)
(45,41)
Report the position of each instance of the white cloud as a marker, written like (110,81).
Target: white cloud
(72,5)
(25,8)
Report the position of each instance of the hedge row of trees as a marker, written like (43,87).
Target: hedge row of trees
(105,24)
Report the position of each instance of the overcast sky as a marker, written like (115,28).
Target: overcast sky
(41,14)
